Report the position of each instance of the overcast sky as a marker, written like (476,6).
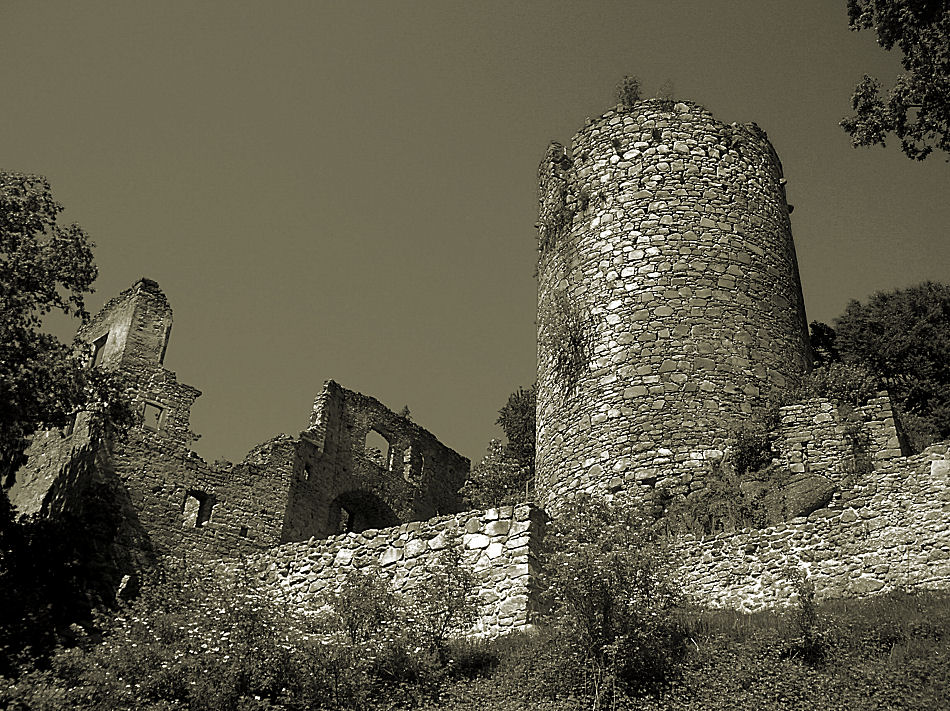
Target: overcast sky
(348,190)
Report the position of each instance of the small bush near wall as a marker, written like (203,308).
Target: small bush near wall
(613,608)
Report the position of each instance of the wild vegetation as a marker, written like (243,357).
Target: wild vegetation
(618,637)
(505,475)
(44,267)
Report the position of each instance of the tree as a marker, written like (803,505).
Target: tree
(506,473)
(44,267)
(903,338)
(516,420)
(497,480)
(823,348)
(917,107)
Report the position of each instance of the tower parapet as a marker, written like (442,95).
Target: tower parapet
(669,299)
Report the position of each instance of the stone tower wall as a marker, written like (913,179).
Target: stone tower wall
(670,304)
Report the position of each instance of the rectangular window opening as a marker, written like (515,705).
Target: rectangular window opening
(377,449)
(99,350)
(152,416)
(197,509)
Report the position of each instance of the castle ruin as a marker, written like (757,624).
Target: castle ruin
(669,312)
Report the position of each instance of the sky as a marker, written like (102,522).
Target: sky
(348,190)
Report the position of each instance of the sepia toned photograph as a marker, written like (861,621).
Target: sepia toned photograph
(538,355)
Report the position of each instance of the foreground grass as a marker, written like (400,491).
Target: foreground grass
(890,652)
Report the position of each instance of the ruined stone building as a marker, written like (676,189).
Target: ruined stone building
(670,311)
(357,465)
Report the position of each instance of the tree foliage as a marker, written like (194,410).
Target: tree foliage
(505,475)
(497,480)
(44,267)
(216,640)
(517,421)
(917,108)
(903,338)
(53,572)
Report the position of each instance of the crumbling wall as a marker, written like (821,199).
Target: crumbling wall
(340,485)
(501,546)
(285,489)
(820,436)
(889,530)
(669,301)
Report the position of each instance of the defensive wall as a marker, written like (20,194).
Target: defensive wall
(501,547)
(889,531)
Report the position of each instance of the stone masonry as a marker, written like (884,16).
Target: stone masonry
(667,271)
(889,530)
(501,547)
(320,483)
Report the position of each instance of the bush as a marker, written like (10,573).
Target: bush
(628,92)
(613,608)
(849,384)
(497,480)
(215,642)
(750,445)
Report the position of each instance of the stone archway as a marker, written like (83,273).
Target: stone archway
(355,511)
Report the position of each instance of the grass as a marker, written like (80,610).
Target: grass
(887,652)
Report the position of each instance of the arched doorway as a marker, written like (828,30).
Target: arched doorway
(355,511)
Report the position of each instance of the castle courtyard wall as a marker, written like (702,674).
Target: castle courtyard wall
(889,531)
(500,546)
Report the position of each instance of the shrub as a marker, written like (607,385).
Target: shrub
(497,480)
(750,445)
(445,606)
(363,606)
(849,384)
(811,640)
(628,92)
(613,608)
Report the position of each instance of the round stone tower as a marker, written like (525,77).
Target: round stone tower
(669,301)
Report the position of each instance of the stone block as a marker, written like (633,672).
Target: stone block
(475,541)
(390,556)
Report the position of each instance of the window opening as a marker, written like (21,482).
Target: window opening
(70,426)
(152,416)
(197,509)
(377,448)
(243,531)
(99,350)
(306,472)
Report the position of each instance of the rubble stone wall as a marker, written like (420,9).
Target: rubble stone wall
(816,436)
(342,485)
(669,298)
(501,546)
(889,530)
(288,488)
